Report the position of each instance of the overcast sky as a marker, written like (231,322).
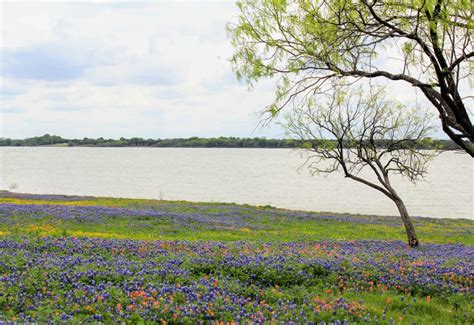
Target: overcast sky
(153,70)
(125,69)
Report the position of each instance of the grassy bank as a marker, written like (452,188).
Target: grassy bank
(179,220)
(85,259)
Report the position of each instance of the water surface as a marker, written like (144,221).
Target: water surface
(253,176)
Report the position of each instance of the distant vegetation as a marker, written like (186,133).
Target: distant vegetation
(195,142)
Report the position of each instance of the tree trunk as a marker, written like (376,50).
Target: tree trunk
(412,238)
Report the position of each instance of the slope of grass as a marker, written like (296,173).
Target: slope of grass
(84,259)
(179,220)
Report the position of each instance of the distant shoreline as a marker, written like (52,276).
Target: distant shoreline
(196,142)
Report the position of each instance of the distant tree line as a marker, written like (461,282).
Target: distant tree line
(196,142)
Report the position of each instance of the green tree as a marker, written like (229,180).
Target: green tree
(311,44)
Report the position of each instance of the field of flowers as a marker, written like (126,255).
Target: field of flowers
(77,259)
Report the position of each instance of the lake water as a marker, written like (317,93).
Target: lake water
(253,176)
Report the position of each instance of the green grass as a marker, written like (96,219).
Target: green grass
(252,225)
(263,224)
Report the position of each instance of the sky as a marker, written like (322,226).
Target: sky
(152,70)
(128,69)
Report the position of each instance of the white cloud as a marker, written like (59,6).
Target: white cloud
(123,69)
(155,69)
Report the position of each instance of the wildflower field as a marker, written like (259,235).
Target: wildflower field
(84,259)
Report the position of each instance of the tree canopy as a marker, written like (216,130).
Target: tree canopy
(310,45)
